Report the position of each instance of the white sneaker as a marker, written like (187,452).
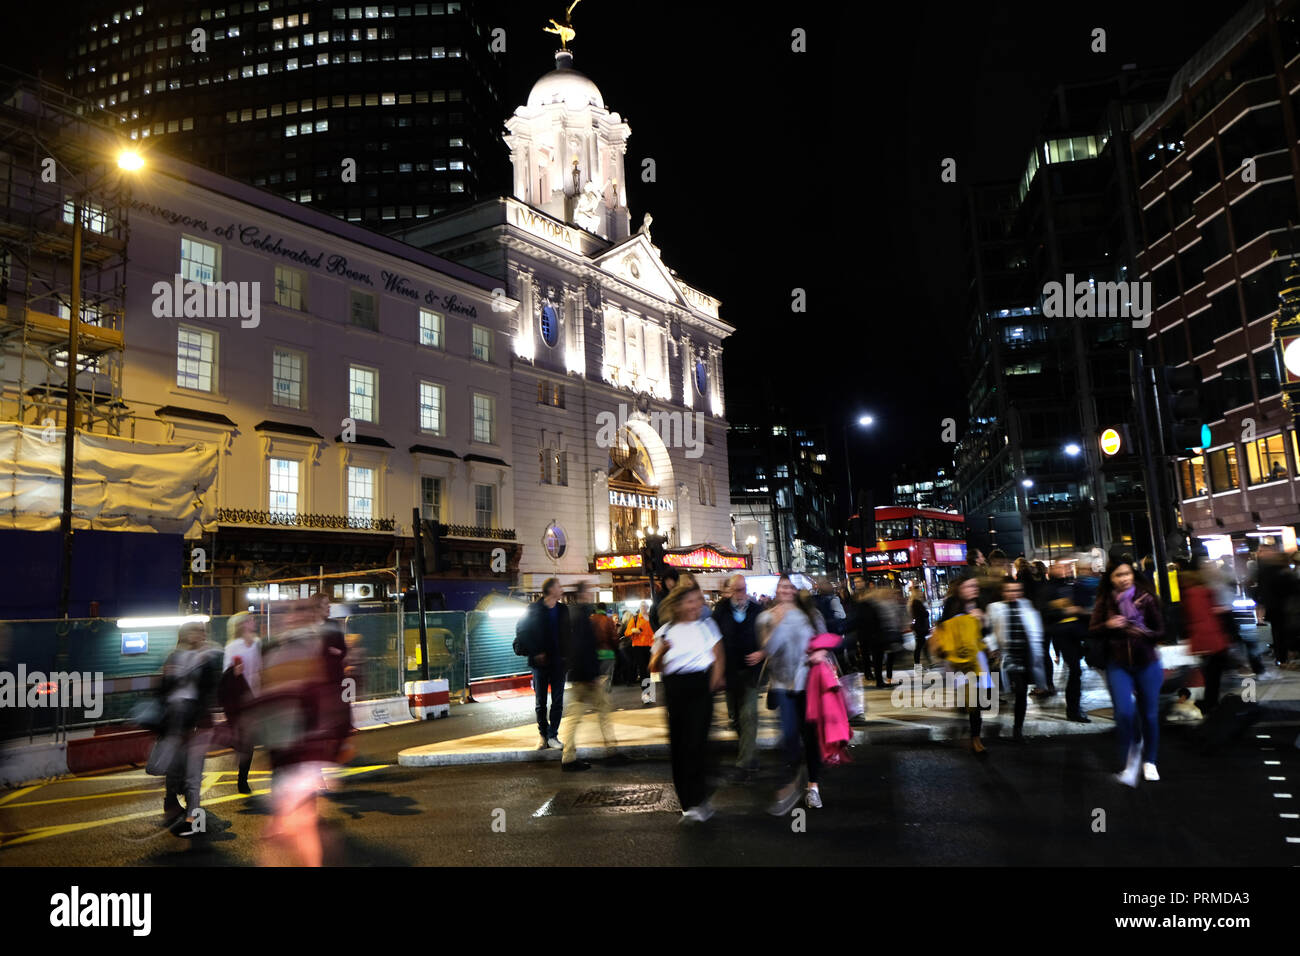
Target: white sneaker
(813,799)
(1149,771)
(554,743)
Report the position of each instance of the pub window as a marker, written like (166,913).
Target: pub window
(1266,459)
(430,498)
(1223,469)
(1191,472)
(362,309)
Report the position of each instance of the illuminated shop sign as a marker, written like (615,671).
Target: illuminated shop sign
(949,553)
(617,562)
(624,499)
(877,558)
(707,558)
(545,228)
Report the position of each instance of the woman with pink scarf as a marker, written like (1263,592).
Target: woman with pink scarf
(1127,616)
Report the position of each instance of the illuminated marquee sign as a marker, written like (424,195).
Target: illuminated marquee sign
(624,499)
(617,562)
(707,558)
(948,553)
(877,558)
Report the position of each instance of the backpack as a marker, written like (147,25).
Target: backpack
(835,625)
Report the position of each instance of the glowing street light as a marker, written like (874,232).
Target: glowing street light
(1073,450)
(1028,482)
(130,160)
(866,421)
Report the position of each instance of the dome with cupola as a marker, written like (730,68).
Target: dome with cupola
(565,85)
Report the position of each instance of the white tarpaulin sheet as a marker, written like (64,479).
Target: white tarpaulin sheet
(120,484)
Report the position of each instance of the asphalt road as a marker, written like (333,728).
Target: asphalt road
(1050,802)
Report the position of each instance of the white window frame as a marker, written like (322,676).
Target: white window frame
(441,425)
(441,484)
(298,288)
(270,485)
(213,379)
(216,259)
(474,344)
(373,469)
(438,328)
(493,515)
(302,378)
(492,421)
(374,398)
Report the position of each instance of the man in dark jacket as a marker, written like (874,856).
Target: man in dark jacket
(544,633)
(1065,609)
(735,618)
(587,685)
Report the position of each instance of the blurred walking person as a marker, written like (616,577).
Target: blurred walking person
(736,619)
(919,612)
(1019,631)
(1065,623)
(586,686)
(1127,616)
(1203,624)
(958,641)
(191,674)
(241,681)
(606,631)
(688,652)
(788,627)
(543,632)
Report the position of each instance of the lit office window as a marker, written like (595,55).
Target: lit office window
(1266,459)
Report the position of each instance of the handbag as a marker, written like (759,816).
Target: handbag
(855,703)
(166,750)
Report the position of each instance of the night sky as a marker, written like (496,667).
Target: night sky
(820,170)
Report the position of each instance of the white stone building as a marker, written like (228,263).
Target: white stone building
(617,401)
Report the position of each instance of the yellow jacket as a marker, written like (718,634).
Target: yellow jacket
(959,640)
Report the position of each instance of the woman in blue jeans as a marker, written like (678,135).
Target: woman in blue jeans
(1127,617)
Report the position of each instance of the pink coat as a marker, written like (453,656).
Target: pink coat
(826,701)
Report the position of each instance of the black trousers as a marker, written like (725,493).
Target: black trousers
(1020,687)
(641,659)
(883,660)
(1212,669)
(690,712)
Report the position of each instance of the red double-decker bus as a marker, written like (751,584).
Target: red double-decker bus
(912,546)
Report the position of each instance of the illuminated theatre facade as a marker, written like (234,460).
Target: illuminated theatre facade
(617,401)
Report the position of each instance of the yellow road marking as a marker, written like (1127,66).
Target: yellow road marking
(18,793)
(216,774)
(27,836)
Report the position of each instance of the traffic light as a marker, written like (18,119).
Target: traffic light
(1182,417)
(654,552)
(437,554)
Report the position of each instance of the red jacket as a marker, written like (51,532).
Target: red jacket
(1204,629)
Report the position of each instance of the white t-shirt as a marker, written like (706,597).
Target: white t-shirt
(692,646)
(251,656)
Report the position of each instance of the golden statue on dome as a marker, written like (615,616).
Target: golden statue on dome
(564,30)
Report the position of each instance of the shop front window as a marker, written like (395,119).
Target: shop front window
(1223,469)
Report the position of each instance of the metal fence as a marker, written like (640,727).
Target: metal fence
(125,663)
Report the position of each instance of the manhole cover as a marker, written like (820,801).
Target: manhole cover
(626,799)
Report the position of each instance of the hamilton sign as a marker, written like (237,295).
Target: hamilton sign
(627,499)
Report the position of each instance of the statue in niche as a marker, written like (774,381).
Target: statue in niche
(585,212)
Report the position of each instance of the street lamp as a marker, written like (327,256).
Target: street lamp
(1073,450)
(751,541)
(864,421)
(128,160)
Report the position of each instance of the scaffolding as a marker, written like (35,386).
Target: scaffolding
(57,156)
